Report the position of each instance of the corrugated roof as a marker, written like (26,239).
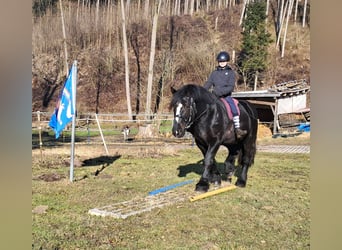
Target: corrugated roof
(285,89)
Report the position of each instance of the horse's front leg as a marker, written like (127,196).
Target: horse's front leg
(210,173)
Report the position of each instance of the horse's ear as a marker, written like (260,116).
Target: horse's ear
(173,90)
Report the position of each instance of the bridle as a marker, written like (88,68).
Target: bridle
(190,120)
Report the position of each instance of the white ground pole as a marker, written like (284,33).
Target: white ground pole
(104,142)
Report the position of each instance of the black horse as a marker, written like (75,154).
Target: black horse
(204,115)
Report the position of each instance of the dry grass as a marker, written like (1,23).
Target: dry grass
(272,212)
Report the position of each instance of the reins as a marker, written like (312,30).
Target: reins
(198,117)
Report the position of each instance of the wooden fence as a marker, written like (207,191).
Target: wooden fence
(113,126)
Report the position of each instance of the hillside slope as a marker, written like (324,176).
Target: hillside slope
(185,52)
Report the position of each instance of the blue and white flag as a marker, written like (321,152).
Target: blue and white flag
(65,108)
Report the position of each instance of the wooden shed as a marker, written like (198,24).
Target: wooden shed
(283,98)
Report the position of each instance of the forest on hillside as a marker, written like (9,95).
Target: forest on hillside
(133,51)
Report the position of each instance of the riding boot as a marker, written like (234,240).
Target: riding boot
(239,132)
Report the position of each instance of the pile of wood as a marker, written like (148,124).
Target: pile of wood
(290,88)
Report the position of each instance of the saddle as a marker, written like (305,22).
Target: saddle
(228,108)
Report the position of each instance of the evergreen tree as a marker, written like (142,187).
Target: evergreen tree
(253,56)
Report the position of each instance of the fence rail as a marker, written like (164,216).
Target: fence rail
(39,117)
(112,126)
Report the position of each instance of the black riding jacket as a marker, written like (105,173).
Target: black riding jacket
(222,80)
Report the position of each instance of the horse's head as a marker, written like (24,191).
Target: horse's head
(184,111)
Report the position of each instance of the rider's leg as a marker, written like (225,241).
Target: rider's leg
(236,118)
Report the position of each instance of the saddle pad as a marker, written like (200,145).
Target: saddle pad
(229,111)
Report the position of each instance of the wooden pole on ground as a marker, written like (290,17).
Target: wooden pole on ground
(211,193)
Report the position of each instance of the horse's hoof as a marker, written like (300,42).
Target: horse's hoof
(202,188)
(241,184)
(217,183)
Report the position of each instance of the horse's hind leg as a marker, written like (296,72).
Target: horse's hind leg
(246,160)
(242,178)
(230,163)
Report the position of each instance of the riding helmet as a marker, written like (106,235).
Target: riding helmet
(223,56)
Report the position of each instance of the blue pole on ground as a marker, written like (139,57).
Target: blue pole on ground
(167,188)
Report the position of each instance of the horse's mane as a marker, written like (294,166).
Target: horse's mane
(198,93)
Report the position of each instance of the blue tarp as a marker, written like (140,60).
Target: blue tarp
(304,127)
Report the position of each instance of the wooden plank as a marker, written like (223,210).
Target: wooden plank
(262,102)
(211,193)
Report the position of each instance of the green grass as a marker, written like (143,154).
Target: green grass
(272,212)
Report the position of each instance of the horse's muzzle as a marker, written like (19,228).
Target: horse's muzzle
(178,131)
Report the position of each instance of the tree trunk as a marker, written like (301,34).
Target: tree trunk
(267,7)
(296,10)
(78,7)
(243,11)
(304,14)
(256,80)
(128,95)
(279,17)
(147,6)
(128,7)
(192,5)
(281,21)
(287,22)
(64,39)
(97,14)
(150,68)
(186,5)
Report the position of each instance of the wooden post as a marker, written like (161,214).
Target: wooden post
(275,120)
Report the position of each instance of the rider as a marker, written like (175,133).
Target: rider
(223,82)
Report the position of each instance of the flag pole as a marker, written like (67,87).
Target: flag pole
(74,82)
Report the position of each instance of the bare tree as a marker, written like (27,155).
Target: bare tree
(177,8)
(304,14)
(64,39)
(150,68)
(186,5)
(296,10)
(267,9)
(287,22)
(192,3)
(280,23)
(97,14)
(245,2)
(147,5)
(128,94)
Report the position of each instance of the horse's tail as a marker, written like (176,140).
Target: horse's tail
(249,144)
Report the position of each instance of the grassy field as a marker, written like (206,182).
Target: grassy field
(272,212)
